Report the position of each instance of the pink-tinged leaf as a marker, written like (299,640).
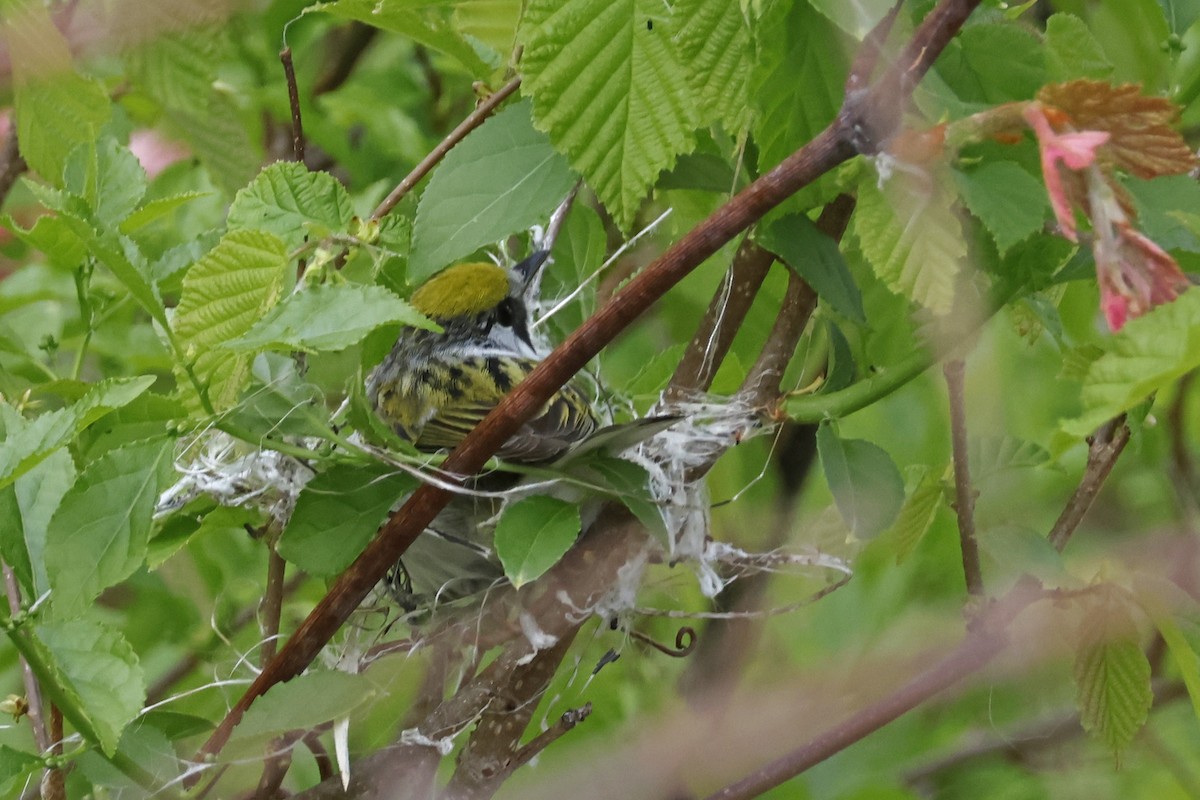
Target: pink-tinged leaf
(1075,150)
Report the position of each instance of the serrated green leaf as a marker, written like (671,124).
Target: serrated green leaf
(99,534)
(493,22)
(1010,202)
(154,210)
(1149,353)
(991,455)
(55,238)
(100,672)
(864,481)
(629,484)
(533,534)
(27,442)
(219,138)
(1072,51)
(816,258)
(797,81)
(428,25)
(911,236)
(1112,676)
(178,68)
(26,507)
(611,93)
(14,763)
(292,203)
(714,44)
(306,702)
(329,317)
(338,512)
(994,62)
(224,294)
(502,178)
(57,109)
(917,514)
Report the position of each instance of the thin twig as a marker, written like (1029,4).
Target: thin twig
(566,723)
(964,500)
(289,72)
(1104,447)
(473,121)
(832,146)
(975,652)
(324,763)
(279,752)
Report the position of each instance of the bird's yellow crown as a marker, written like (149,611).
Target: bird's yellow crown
(461,290)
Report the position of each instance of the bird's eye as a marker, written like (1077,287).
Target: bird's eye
(504,313)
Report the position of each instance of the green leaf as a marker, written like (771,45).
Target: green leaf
(101,675)
(797,84)
(1180,14)
(992,455)
(994,62)
(57,109)
(493,22)
(1184,655)
(156,209)
(100,532)
(1010,202)
(1149,353)
(533,534)
(629,484)
(864,481)
(279,401)
(292,203)
(816,258)
(306,702)
(917,514)
(1072,51)
(218,136)
(55,238)
(424,23)
(27,442)
(502,178)
(858,18)
(14,763)
(329,317)
(1112,676)
(224,294)
(611,92)
(911,236)
(26,507)
(714,44)
(338,512)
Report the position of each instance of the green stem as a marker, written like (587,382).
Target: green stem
(819,407)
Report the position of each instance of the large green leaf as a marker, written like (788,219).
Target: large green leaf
(425,23)
(912,237)
(816,258)
(26,507)
(329,318)
(306,702)
(533,534)
(292,203)
(1010,202)
(57,109)
(503,178)
(224,294)
(1072,51)
(864,481)
(27,442)
(608,86)
(714,45)
(1113,680)
(1148,354)
(338,512)
(99,534)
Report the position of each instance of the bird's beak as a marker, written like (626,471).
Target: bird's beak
(530,267)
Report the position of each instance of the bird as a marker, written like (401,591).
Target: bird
(435,386)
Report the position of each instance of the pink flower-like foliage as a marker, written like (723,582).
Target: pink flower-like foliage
(1135,275)
(1075,150)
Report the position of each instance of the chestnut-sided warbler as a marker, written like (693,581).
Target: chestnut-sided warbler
(434,388)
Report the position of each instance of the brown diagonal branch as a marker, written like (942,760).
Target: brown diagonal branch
(964,492)
(1104,448)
